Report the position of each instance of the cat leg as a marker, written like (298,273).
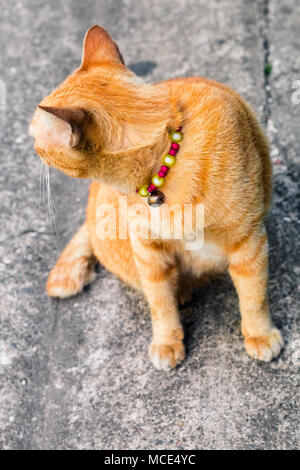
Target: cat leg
(248,265)
(74,268)
(158,274)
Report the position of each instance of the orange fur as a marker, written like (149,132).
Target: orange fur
(223,163)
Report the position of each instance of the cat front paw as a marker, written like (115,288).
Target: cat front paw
(265,348)
(166,356)
(68,279)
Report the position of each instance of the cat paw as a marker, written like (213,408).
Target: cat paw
(66,280)
(265,348)
(166,356)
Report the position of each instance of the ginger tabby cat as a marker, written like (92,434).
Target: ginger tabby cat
(104,123)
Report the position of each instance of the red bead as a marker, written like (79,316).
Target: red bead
(172,152)
(178,129)
(164,168)
(161,174)
(151,188)
(175,146)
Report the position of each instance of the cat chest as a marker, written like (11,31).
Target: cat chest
(203,256)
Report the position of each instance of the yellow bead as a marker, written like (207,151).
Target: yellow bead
(158,181)
(168,160)
(176,136)
(143,191)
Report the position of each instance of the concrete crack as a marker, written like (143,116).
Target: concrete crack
(266,61)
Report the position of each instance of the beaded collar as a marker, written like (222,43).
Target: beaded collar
(155,196)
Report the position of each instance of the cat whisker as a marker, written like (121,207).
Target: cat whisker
(50,203)
(41,185)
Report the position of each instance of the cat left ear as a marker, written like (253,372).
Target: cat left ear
(99,47)
(71,119)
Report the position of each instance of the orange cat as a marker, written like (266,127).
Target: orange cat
(104,123)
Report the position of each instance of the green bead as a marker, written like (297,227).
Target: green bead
(176,136)
(143,191)
(168,160)
(158,181)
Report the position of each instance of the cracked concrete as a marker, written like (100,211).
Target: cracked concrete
(67,380)
(265,34)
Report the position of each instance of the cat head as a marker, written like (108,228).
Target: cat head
(100,116)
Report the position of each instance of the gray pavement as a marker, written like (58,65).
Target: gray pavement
(75,374)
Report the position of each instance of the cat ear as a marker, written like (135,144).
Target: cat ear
(99,47)
(67,127)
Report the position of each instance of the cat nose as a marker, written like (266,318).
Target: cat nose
(30,130)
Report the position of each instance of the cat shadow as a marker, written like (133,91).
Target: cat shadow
(143,68)
(204,314)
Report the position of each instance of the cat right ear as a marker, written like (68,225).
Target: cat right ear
(61,126)
(98,47)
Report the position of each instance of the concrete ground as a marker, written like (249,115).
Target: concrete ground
(75,374)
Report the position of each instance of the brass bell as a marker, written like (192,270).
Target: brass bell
(156,198)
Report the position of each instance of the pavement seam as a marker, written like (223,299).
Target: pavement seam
(266,61)
(43,438)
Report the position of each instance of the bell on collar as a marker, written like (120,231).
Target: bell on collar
(156,198)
